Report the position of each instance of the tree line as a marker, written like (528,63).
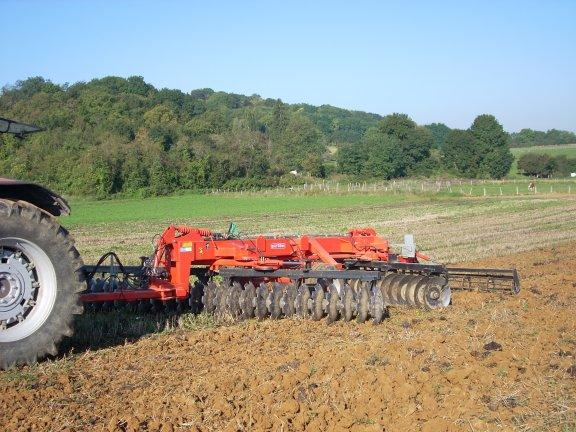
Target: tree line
(544,165)
(123,136)
(530,138)
(116,135)
(398,147)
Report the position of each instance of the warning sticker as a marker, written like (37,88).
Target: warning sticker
(277,245)
(186,247)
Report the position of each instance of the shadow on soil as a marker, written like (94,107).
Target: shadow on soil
(104,329)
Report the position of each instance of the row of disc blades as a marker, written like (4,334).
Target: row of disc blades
(340,299)
(344,300)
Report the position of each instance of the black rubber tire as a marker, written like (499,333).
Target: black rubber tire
(25,221)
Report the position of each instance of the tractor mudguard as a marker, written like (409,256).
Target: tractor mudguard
(41,197)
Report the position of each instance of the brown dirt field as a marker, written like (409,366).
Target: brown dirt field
(419,370)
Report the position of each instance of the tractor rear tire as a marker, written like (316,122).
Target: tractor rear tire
(40,278)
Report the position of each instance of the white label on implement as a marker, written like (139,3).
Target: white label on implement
(277,245)
(186,247)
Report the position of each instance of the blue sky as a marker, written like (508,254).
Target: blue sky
(436,61)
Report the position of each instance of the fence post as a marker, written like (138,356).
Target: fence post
(484,191)
(517,191)
(500,191)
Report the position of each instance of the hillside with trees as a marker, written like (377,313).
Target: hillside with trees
(531,138)
(123,136)
(544,165)
(114,135)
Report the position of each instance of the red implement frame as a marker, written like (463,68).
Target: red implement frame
(181,248)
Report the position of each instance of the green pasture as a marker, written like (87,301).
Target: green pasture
(568,150)
(228,206)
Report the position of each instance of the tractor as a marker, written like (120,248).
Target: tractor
(40,269)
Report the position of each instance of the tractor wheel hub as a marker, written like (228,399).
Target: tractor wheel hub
(17,281)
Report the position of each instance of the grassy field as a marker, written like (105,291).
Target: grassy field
(568,150)
(87,212)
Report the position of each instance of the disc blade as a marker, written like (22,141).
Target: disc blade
(234,300)
(302,300)
(348,303)
(435,295)
(391,289)
(289,299)
(318,303)
(247,300)
(409,290)
(333,302)
(363,303)
(275,297)
(261,297)
(376,304)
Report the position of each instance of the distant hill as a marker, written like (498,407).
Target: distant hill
(114,135)
(122,135)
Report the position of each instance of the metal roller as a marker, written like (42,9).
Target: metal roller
(417,291)
(383,286)
(221,299)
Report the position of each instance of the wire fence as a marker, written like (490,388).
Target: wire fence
(452,186)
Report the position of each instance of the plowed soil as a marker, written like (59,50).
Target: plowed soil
(488,362)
